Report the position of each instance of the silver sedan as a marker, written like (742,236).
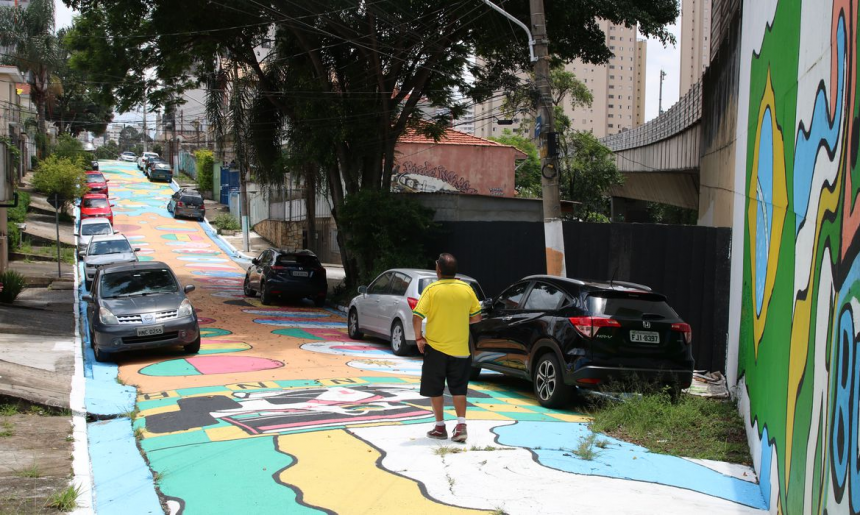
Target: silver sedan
(384,309)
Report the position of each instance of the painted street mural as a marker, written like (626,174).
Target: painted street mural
(281,412)
(799,356)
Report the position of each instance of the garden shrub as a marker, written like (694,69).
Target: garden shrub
(11,284)
(205,161)
(62,176)
(383,230)
(226,222)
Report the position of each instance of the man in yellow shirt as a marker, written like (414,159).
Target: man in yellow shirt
(449,305)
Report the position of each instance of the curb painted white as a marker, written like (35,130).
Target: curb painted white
(81,466)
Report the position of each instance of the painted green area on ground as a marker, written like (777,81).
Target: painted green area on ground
(172,368)
(297,333)
(227,477)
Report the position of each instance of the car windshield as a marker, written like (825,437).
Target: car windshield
(95,229)
(297,260)
(629,306)
(425,282)
(132,283)
(96,202)
(99,248)
(95,177)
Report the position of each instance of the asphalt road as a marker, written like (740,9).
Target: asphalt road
(282,413)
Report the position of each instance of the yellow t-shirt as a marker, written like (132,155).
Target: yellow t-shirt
(447,304)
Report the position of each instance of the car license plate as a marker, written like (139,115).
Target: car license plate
(150,331)
(300,274)
(644,337)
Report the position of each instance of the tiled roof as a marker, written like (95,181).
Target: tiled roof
(451,137)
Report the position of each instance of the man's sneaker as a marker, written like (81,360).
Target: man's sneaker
(438,432)
(460,434)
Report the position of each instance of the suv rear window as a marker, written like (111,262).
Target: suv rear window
(628,306)
(297,259)
(191,201)
(427,281)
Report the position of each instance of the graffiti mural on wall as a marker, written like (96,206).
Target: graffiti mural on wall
(412,177)
(799,354)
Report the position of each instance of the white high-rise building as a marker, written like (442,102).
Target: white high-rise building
(695,41)
(618,90)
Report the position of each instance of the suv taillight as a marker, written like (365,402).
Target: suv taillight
(588,326)
(684,328)
(412,302)
(180,204)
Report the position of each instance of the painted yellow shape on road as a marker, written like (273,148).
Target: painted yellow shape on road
(339,472)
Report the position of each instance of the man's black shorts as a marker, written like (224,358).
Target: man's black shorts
(439,367)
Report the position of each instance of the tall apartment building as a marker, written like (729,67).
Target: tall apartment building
(618,89)
(695,41)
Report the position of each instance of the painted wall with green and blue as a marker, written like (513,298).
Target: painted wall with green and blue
(798,354)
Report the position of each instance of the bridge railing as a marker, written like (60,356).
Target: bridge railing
(686,112)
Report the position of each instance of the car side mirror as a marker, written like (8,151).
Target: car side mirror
(362,289)
(487,304)
(87,298)
(107,180)
(113,205)
(137,249)
(81,253)
(116,232)
(255,261)
(189,288)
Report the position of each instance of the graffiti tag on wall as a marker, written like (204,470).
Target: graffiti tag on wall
(410,176)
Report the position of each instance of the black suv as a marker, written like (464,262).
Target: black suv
(291,274)
(564,333)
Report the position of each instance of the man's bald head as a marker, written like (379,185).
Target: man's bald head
(447,265)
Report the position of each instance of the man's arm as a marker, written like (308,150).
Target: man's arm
(419,339)
(475,319)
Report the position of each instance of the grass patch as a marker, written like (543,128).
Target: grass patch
(32,471)
(586,448)
(7,410)
(489,448)
(445,450)
(67,254)
(11,406)
(64,500)
(6,429)
(692,427)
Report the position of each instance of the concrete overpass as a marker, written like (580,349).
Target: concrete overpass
(660,159)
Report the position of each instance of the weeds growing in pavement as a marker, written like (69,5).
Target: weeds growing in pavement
(585,450)
(445,450)
(6,429)
(688,426)
(7,410)
(32,471)
(64,500)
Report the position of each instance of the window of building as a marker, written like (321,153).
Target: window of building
(611,96)
(612,67)
(611,115)
(610,125)
(612,37)
(611,106)
(611,86)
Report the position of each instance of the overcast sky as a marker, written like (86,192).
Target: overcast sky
(667,59)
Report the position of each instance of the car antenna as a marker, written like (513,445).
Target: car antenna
(613,277)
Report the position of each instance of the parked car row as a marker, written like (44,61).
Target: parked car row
(131,305)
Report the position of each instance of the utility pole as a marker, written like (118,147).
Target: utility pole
(546,140)
(660,100)
(240,159)
(145,94)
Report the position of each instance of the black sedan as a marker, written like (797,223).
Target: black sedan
(290,274)
(140,306)
(564,334)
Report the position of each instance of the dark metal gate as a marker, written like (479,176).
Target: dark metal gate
(688,264)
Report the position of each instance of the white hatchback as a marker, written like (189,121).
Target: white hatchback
(384,309)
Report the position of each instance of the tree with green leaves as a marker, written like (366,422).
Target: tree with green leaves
(344,78)
(527,176)
(73,104)
(587,173)
(29,34)
(63,176)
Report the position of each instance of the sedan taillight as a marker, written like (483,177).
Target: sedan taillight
(412,302)
(588,326)
(686,330)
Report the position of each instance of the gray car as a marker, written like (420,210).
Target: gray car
(140,306)
(384,309)
(104,251)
